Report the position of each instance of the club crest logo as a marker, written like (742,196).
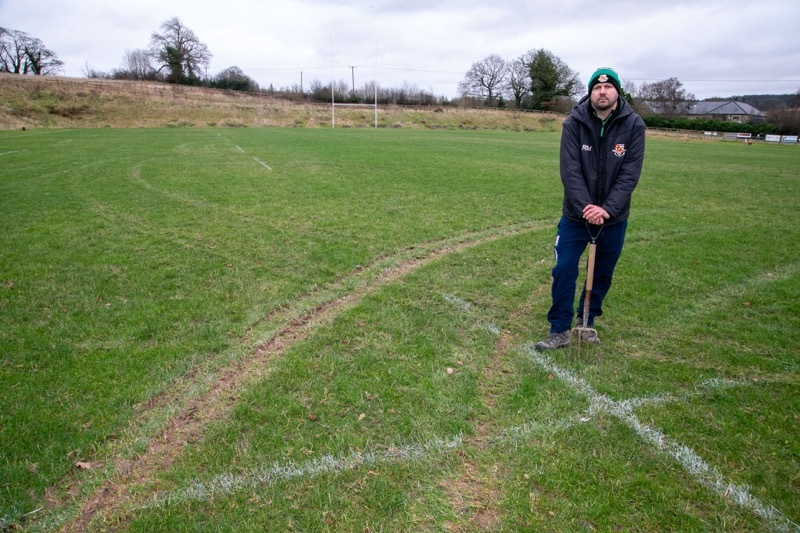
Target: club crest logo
(619,150)
(602,78)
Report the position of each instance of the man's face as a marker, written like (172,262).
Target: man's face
(604,96)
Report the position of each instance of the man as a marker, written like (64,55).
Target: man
(602,150)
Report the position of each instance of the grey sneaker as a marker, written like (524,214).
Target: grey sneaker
(553,341)
(587,336)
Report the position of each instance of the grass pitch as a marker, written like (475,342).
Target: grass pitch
(331,330)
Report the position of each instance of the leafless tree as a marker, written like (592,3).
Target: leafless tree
(486,78)
(138,65)
(22,54)
(519,81)
(787,121)
(12,51)
(629,87)
(669,97)
(179,51)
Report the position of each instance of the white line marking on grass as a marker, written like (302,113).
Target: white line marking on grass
(708,476)
(269,475)
(462,305)
(466,307)
(257,160)
(537,428)
(665,397)
(705,474)
(260,162)
(226,484)
(14,152)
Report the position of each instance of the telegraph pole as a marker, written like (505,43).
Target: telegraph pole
(353,73)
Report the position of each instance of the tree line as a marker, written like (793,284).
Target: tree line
(536,80)
(540,80)
(176,55)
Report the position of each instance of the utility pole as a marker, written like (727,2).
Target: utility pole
(353,72)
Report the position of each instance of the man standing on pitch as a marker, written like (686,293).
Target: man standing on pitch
(602,150)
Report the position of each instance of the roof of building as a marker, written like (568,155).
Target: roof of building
(727,108)
(730,107)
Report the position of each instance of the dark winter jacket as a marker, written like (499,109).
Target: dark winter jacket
(601,170)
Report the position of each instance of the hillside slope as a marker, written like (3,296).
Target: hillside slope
(55,102)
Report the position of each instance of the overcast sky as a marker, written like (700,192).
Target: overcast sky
(714,47)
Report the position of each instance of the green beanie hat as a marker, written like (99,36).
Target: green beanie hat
(605,75)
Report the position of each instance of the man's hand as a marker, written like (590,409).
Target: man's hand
(594,214)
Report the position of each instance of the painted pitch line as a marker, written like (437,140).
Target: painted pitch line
(226,484)
(260,162)
(257,160)
(269,475)
(691,461)
(466,307)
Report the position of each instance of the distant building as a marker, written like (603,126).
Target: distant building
(730,111)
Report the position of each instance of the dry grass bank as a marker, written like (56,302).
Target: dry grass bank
(55,102)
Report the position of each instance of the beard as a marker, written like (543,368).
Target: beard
(604,104)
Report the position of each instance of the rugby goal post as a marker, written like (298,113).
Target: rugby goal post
(334,104)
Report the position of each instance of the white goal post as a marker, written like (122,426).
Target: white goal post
(334,104)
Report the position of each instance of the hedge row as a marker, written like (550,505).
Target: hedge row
(699,124)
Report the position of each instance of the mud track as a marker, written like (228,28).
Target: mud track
(186,427)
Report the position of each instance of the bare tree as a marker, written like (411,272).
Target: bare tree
(22,54)
(41,60)
(367,92)
(629,88)
(12,51)
(137,65)
(787,121)
(795,101)
(519,81)
(318,91)
(666,97)
(485,78)
(178,50)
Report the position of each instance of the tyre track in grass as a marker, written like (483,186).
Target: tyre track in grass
(184,413)
(474,492)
